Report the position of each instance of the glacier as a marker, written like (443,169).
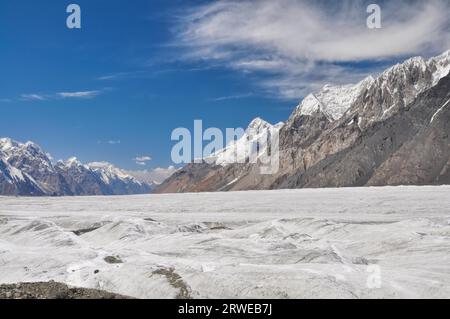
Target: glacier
(308,243)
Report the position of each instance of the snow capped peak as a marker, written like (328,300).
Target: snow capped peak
(258,124)
(30,170)
(443,56)
(396,87)
(30,144)
(12,147)
(414,63)
(440,66)
(6,143)
(72,162)
(5,140)
(34,149)
(108,172)
(417,60)
(367,81)
(238,151)
(333,101)
(106,166)
(399,85)
(26,156)
(309,105)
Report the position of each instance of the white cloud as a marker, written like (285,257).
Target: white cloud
(142,160)
(60,95)
(157,175)
(123,75)
(114,76)
(80,94)
(298,42)
(110,142)
(232,97)
(32,97)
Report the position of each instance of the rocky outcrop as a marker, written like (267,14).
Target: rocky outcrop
(52,290)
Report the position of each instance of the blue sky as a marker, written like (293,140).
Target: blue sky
(116,89)
(140,109)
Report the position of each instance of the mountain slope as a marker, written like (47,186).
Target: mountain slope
(352,135)
(31,160)
(425,159)
(14,182)
(408,148)
(220,171)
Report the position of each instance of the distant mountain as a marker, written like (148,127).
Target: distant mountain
(26,170)
(389,130)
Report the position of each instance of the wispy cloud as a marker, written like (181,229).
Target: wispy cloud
(298,42)
(142,160)
(232,97)
(122,75)
(33,97)
(110,142)
(79,94)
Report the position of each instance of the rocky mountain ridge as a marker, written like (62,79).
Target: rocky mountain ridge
(353,135)
(26,170)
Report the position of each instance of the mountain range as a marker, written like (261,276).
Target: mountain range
(26,170)
(389,130)
(392,129)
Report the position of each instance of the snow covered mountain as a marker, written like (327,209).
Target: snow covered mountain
(398,87)
(379,98)
(241,150)
(332,101)
(386,130)
(118,180)
(13,181)
(25,169)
